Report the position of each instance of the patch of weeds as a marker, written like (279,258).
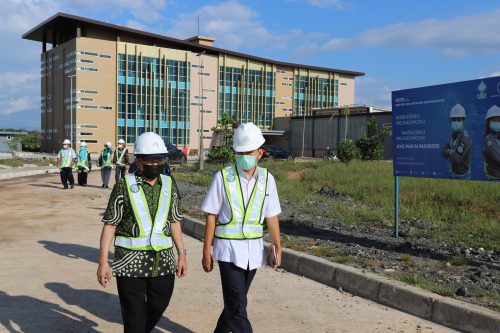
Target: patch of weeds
(407,260)
(459,261)
(418,280)
(343,259)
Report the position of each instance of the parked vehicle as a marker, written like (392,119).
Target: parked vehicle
(175,155)
(276,153)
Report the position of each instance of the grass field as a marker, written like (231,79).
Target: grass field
(17,162)
(464,212)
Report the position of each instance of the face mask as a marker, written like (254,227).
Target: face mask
(152,171)
(66,146)
(246,162)
(495,126)
(457,126)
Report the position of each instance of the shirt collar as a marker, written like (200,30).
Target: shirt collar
(242,173)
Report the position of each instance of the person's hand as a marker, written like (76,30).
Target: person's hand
(207,262)
(181,265)
(275,262)
(104,274)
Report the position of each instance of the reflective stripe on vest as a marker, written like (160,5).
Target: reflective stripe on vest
(245,221)
(151,235)
(119,159)
(65,159)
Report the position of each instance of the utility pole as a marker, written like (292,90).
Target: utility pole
(200,106)
(71,107)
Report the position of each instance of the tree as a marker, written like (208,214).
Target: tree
(32,141)
(347,113)
(370,144)
(225,129)
(347,151)
(14,145)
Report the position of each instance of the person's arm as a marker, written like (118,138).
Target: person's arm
(104,273)
(176,230)
(207,260)
(58,160)
(273,226)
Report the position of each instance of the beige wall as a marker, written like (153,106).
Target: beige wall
(346,89)
(284,92)
(210,104)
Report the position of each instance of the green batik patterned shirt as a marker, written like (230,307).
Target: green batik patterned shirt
(132,263)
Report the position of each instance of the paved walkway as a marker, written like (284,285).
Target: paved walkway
(49,248)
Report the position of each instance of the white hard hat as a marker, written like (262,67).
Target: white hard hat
(83,144)
(457,111)
(150,143)
(494,111)
(247,137)
(121,141)
(66,142)
(108,144)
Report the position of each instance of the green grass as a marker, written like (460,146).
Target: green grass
(461,212)
(17,162)
(418,280)
(459,261)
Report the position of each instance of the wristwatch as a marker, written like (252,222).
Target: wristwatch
(184,250)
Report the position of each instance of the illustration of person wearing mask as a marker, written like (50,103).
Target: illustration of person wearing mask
(458,148)
(491,144)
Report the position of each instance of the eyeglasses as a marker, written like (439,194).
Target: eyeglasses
(156,161)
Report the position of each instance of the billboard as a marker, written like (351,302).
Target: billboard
(448,131)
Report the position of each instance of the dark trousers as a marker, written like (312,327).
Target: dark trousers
(235,284)
(82,178)
(143,301)
(67,175)
(119,173)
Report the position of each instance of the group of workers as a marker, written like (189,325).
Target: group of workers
(143,221)
(68,161)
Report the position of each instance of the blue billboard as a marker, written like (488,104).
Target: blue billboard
(448,131)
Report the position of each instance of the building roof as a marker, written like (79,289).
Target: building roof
(62,23)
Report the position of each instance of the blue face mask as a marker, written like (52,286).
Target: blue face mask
(457,126)
(495,126)
(246,162)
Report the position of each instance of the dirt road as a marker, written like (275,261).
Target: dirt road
(48,253)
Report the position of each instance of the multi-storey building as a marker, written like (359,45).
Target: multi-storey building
(101,82)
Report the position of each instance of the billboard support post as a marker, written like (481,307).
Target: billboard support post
(396,206)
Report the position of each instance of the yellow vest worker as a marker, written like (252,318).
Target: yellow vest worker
(143,218)
(240,199)
(65,160)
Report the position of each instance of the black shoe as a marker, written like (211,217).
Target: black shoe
(65,187)
(102,186)
(107,186)
(72,186)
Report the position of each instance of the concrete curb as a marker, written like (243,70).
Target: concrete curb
(442,310)
(26,173)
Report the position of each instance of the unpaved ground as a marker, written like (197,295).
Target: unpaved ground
(471,275)
(49,249)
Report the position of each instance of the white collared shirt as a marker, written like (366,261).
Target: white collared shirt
(244,253)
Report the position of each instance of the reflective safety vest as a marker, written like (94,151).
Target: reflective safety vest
(106,163)
(66,156)
(245,220)
(151,234)
(119,158)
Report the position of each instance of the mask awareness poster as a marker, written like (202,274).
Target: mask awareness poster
(448,131)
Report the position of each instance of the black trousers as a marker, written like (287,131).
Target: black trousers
(67,175)
(82,177)
(235,285)
(143,301)
(119,173)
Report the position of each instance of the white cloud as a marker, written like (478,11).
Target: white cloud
(15,105)
(235,26)
(373,91)
(457,37)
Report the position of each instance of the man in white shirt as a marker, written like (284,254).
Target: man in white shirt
(240,198)
(65,160)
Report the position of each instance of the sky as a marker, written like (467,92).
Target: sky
(397,44)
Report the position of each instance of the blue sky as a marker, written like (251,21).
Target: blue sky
(398,44)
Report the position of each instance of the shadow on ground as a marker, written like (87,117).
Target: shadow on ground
(103,305)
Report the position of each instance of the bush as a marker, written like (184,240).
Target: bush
(220,155)
(348,151)
(370,144)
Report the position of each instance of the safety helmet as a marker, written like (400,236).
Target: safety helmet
(108,144)
(247,137)
(83,144)
(457,111)
(121,142)
(494,111)
(150,143)
(66,142)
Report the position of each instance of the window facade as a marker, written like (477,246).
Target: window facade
(247,94)
(314,92)
(153,95)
